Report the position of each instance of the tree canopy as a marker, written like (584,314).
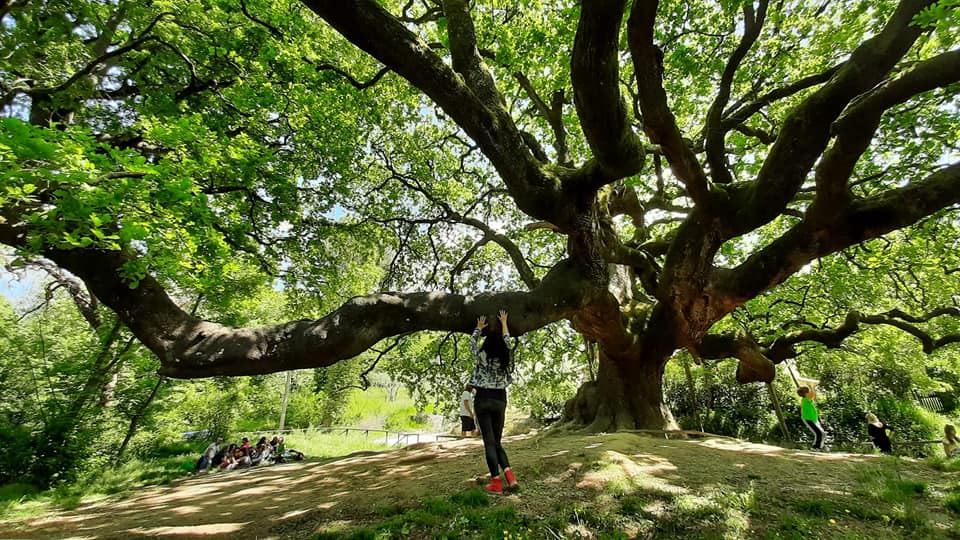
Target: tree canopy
(641,169)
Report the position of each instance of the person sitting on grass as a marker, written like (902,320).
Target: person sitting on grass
(261,454)
(229,462)
(284,453)
(295,455)
(218,457)
(241,456)
(278,450)
(206,459)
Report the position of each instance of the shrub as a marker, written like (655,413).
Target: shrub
(952,503)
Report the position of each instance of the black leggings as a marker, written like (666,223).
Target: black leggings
(490,415)
(817,430)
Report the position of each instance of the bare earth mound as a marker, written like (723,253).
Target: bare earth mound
(558,471)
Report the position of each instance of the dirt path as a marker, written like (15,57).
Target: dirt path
(297,499)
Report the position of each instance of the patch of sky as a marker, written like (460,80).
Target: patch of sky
(19,107)
(20,285)
(85,31)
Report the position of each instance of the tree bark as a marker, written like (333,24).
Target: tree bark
(625,395)
(135,421)
(286,395)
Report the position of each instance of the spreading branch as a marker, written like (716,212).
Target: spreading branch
(552,113)
(371,28)
(595,73)
(190,347)
(784,347)
(757,360)
(861,220)
(856,127)
(466,58)
(714,133)
(807,130)
(658,120)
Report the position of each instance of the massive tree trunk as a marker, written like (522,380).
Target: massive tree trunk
(634,346)
(625,395)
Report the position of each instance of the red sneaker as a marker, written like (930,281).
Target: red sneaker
(512,484)
(495,485)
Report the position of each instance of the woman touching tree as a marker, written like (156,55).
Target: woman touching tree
(491,377)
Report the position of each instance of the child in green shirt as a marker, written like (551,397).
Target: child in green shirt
(810,415)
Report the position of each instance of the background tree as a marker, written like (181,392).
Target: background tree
(639,169)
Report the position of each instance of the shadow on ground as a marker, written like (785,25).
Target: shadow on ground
(296,500)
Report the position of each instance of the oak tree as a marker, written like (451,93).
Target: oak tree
(640,169)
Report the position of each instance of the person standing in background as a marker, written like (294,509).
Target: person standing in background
(468,420)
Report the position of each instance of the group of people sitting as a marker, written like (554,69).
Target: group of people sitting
(236,456)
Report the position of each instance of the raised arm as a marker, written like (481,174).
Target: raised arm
(503,322)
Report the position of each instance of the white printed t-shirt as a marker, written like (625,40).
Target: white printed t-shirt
(468,397)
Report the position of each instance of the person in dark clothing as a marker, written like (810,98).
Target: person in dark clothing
(218,457)
(878,433)
(490,378)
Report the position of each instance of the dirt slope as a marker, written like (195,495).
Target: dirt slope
(298,499)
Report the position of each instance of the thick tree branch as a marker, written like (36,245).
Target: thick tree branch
(658,121)
(466,58)
(755,365)
(806,131)
(856,127)
(784,347)
(862,220)
(552,113)
(367,25)
(602,111)
(713,130)
(757,360)
(644,266)
(189,347)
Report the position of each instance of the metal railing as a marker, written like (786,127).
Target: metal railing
(400,438)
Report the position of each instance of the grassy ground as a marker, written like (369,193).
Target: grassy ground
(620,494)
(175,461)
(574,486)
